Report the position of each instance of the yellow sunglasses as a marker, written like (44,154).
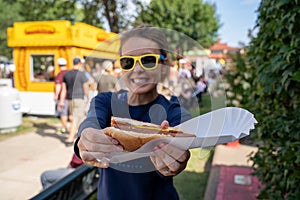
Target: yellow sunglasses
(147,61)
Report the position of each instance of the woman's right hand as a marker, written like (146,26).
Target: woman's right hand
(95,147)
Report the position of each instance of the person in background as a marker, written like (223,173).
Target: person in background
(50,177)
(186,98)
(173,75)
(184,70)
(145,64)
(62,111)
(76,91)
(85,67)
(201,88)
(117,71)
(106,81)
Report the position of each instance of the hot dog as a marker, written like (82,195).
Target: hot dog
(133,134)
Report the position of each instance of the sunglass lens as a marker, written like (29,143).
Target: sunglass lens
(126,63)
(148,61)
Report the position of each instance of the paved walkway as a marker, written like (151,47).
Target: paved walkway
(25,157)
(230,174)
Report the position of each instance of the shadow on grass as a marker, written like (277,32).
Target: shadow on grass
(44,126)
(46,130)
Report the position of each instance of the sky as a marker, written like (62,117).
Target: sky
(237,17)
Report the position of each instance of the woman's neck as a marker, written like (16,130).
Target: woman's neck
(141,99)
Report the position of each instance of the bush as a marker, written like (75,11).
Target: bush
(237,81)
(274,56)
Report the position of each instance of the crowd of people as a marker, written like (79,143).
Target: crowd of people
(72,91)
(183,84)
(190,85)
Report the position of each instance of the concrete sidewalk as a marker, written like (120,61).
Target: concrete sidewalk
(230,174)
(25,157)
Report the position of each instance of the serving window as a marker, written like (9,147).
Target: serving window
(42,68)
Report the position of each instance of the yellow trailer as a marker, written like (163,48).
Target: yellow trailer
(38,45)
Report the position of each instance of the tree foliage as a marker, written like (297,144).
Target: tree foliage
(194,18)
(110,11)
(90,10)
(272,67)
(8,15)
(120,14)
(274,56)
(35,10)
(39,10)
(117,14)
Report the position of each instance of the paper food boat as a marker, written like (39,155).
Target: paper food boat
(217,127)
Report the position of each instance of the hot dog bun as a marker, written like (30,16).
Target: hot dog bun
(133,134)
(131,140)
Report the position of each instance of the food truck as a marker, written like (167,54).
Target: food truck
(36,49)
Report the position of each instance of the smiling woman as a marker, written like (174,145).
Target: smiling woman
(141,79)
(144,62)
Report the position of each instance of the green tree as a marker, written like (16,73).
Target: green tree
(110,11)
(275,97)
(36,10)
(39,10)
(117,14)
(8,15)
(195,18)
(90,10)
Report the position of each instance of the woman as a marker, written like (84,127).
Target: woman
(143,59)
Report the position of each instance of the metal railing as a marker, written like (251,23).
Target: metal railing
(78,185)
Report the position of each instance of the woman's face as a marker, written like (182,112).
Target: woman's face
(139,80)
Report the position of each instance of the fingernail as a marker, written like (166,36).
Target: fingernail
(114,141)
(105,165)
(161,145)
(155,148)
(120,148)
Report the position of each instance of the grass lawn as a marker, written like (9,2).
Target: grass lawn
(29,124)
(191,183)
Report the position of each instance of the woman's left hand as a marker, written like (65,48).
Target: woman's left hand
(168,159)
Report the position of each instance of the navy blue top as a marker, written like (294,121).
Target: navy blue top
(136,179)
